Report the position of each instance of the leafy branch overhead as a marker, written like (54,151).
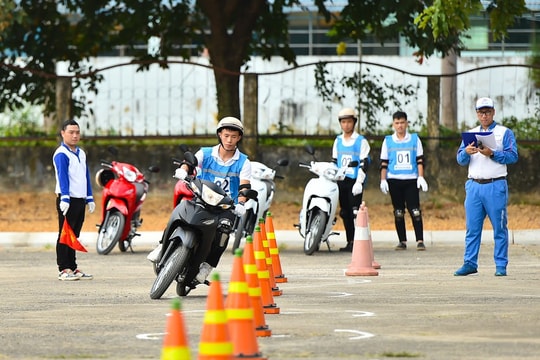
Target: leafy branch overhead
(372,92)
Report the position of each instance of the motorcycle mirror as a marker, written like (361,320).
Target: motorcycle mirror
(184,148)
(154,169)
(353,163)
(309,149)
(190,158)
(283,162)
(113,150)
(249,193)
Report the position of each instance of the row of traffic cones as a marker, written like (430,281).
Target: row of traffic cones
(231,327)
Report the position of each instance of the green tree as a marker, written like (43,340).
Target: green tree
(44,32)
(36,34)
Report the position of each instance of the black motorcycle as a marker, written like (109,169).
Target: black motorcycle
(193,225)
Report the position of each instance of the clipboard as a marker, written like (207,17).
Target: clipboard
(485,138)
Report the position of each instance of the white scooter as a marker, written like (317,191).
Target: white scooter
(320,201)
(262,181)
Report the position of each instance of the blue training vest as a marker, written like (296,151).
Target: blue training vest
(346,154)
(227,177)
(402,156)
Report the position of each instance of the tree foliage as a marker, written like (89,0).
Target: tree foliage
(431,26)
(37,34)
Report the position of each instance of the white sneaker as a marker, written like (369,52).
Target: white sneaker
(154,254)
(67,275)
(82,276)
(204,270)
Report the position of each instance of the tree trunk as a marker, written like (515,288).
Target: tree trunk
(231,30)
(250,119)
(449,92)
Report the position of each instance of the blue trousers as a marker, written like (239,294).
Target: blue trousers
(489,199)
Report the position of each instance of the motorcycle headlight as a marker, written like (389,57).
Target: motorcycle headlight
(210,197)
(129,175)
(257,173)
(330,173)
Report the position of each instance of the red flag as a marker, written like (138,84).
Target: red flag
(67,237)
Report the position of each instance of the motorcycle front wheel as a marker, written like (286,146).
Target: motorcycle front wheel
(315,231)
(167,274)
(110,232)
(239,232)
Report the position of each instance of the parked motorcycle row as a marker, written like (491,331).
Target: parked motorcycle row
(196,219)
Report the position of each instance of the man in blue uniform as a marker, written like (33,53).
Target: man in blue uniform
(73,190)
(486,190)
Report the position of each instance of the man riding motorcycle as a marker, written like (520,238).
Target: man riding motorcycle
(225,165)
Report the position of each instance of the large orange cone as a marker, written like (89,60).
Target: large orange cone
(240,313)
(254,290)
(269,307)
(275,289)
(215,343)
(274,250)
(374,263)
(175,342)
(361,264)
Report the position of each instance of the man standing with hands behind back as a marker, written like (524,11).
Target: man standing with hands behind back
(486,190)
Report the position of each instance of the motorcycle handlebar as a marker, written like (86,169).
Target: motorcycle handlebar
(106,163)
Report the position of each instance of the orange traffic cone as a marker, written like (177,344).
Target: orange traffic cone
(175,342)
(275,289)
(362,256)
(269,307)
(240,313)
(374,263)
(215,342)
(274,251)
(254,290)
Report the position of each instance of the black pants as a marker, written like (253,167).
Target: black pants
(65,256)
(348,202)
(221,240)
(405,194)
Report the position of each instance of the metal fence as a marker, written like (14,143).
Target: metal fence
(181,100)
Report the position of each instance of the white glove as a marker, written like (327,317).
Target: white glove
(421,183)
(384,187)
(357,188)
(64,206)
(361,176)
(91,207)
(180,174)
(239,210)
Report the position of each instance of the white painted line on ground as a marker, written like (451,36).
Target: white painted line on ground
(362,334)
(154,336)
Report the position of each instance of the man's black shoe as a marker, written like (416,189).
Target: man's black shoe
(347,248)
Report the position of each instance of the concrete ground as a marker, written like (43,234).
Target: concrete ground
(413,308)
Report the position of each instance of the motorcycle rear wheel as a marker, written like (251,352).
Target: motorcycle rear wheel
(169,272)
(110,232)
(315,231)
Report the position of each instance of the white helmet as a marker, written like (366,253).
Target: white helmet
(347,113)
(230,122)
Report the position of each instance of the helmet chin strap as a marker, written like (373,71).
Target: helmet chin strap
(223,147)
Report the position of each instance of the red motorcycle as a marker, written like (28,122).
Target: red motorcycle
(124,191)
